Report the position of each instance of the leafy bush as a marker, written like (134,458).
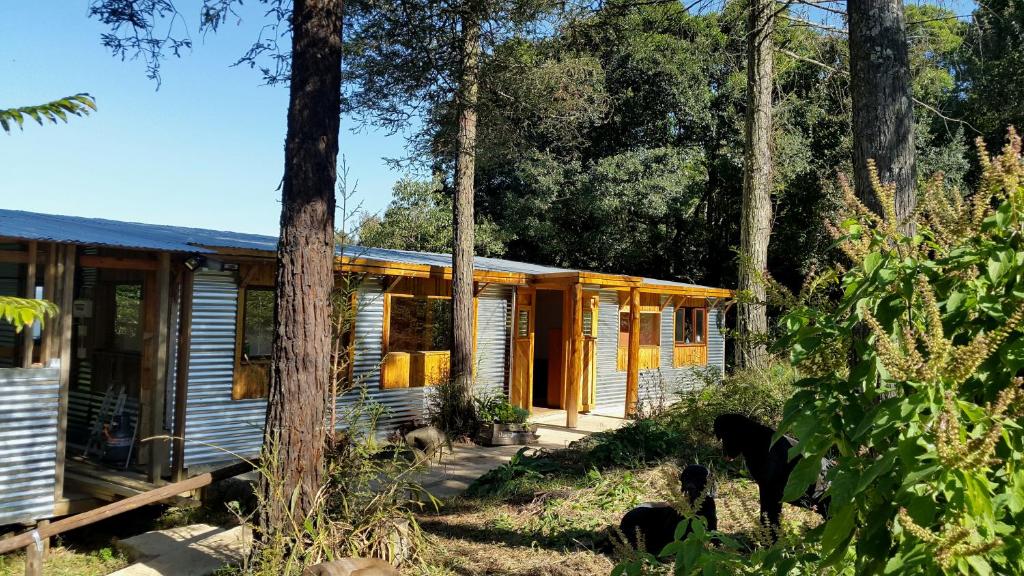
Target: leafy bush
(913,386)
(639,442)
(498,409)
(758,393)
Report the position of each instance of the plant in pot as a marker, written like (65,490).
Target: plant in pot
(502,424)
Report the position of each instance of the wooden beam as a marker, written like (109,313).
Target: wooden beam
(159,448)
(67,299)
(572,395)
(118,263)
(49,290)
(633,357)
(13,257)
(181,374)
(27,341)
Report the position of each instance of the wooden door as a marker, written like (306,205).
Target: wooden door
(556,365)
(522,349)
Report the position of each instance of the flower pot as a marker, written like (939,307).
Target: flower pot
(496,434)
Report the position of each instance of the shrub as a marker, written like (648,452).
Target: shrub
(496,408)
(450,408)
(913,387)
(758,393)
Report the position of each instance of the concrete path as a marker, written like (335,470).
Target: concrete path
(459,468)
(195,550)
(201,549)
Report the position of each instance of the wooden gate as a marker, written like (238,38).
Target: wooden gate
(588,386)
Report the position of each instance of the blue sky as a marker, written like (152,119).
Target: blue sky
(204,150)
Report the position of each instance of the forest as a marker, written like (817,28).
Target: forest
(613,140)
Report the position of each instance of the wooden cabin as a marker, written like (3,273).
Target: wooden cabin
(166,331)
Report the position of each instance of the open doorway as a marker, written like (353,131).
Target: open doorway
(548,358)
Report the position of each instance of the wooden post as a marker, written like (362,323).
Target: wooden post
(181,375)
(67,300)
(633,364)
(49,290)
(27,341)
(572,395)
(159,448)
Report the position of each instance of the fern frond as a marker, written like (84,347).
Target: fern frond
(77,105)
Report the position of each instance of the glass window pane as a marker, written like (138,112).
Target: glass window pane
(698,321)
(420,325)
(681,322)
(650,329)
(127,317)
(258,331)
(523,324)
(588,323)
(623,329)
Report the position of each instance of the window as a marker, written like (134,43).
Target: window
(420,325)
(258,319)
(650,329)
(128,317)
(691,326)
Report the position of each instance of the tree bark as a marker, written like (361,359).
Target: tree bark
(463,242)
(755,227)
(883,113)
(301,352)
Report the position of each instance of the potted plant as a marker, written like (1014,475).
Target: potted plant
(502,424)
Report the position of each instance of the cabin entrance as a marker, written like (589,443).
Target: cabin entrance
(539,343)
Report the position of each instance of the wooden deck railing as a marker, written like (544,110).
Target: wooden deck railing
(34,541)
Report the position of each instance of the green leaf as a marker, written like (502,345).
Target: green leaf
(803,475)
(871,262)
(838,529)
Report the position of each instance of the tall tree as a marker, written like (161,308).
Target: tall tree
(758,174)
(465,171)
(420,59)
(301,352)
(883,113)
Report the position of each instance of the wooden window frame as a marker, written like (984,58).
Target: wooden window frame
(251,378)
(692,317)
(649,354)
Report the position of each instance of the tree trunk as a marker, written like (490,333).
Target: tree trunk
(755,227)
(462,250)
(883,113)
(300,368)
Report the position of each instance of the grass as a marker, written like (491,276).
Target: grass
(557,524)
(68,561)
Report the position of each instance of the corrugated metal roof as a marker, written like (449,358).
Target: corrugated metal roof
(101,232)
(113,233)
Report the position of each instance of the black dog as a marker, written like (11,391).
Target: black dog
(768,463)
(657,521)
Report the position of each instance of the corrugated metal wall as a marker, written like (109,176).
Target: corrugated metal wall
(215,419)
(494,325)
(214,422)
(28,442)
(611,383)
(666,381)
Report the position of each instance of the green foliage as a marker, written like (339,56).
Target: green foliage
(924,421)
(366,507)
(77,105)
(419,217)
(759,393)
(640,442)
(498,409)
(23,312)
(450,408)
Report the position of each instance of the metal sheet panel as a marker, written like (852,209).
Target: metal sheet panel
(493,330)
(611,383)
(217,426)
(401,405)
(28,443)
